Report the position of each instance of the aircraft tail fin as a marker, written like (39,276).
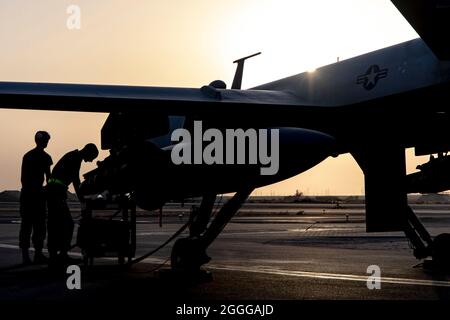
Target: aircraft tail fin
(431,20)
(237,81)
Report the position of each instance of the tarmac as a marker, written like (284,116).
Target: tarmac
(268,252)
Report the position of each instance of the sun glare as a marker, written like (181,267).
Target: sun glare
(298,36)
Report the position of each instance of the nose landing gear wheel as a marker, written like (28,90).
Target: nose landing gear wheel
(188,255)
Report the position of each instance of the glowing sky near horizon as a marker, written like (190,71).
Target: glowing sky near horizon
(180,44)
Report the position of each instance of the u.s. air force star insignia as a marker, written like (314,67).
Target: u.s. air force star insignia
(370,79)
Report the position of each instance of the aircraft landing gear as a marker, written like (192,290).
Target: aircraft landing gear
(424,246)
(440,251)
(189,254)
(419,237)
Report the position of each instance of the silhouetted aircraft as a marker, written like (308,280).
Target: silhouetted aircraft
(372,106)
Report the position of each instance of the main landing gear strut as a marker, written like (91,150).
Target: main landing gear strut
(189,254)
(424,246)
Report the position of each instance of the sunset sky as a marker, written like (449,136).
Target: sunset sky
(180,44)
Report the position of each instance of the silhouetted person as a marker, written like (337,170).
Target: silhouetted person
(60,222)
(35,170)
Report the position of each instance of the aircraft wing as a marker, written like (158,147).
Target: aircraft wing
(116,98)
(253,107)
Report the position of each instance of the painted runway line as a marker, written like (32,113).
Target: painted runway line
(330,276)
(294,273)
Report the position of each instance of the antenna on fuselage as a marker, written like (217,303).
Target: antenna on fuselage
(237,81)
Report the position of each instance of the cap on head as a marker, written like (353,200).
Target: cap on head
(41,137)
(90,152)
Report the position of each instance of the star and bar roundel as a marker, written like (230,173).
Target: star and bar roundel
(370,79)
